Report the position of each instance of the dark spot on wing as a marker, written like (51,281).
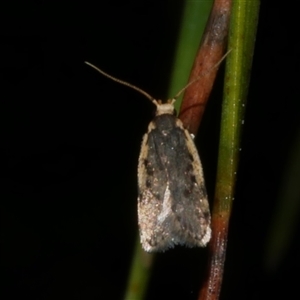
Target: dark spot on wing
(149,168)
(206,215)
(188,169)
(157,196)
(140,197)
(183,225)
(203,190)
(186,193)
(197,213)
(193,178)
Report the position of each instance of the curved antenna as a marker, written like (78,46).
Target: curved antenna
(203,74)
(121,81)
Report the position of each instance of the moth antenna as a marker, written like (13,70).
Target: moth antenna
(121,81)
(203,74)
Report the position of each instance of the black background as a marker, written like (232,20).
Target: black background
(70,141)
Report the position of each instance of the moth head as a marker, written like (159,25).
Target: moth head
(164,108)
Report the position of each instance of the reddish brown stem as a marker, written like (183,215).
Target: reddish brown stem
(217,248)
(211,50)
(195,98)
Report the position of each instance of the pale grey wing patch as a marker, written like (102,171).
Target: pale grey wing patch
(160,228)
(154,231)
(163,226)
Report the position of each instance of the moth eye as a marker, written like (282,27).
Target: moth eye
(148,184)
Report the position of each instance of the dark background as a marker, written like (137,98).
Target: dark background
(70,140)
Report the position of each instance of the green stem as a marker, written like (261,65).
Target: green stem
(238,64)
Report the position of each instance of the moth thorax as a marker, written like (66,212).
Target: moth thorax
(164,108)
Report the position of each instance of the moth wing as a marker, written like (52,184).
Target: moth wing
(172,203)
(153,234)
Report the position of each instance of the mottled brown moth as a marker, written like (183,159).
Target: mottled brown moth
(172,201)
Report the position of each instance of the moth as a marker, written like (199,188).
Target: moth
(172,201)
